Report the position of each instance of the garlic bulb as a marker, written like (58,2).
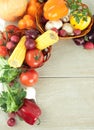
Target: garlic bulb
(53,24)
(68,28)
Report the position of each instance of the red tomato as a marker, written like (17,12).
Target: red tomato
(29,78)
(3,51)
(10,30)
(1,42)
(34,58)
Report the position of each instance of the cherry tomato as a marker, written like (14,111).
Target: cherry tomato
(11,28)
(9,31)
(3,51)
(1,41)
(34,58)
(29,78)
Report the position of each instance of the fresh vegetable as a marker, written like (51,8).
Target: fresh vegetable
(53,24)
(15,38)
(29,112)
(11,28)
(29,78)
(7,73)
(12,99)
(86,41)
(9,31)
(79,41)
(18,55)
(11,122)
(10,45)
(68,28)
(33,7)
(47,39)
(54,10)
(32,33)
(10,10)
(30,43)
(34,58)
(77,31)
(3,51)
(89,45)
(78,10)
(27,22)
(66,18)
(62,33)
(30,93)
(83,24)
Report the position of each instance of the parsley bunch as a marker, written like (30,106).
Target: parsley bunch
(78,9)
(7,73)
(12,99)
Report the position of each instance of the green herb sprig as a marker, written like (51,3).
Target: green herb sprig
(12,99)
(78,9)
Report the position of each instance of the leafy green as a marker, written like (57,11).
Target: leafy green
(7,73)
(78,10)
(12,99)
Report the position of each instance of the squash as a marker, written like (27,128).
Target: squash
(11,10)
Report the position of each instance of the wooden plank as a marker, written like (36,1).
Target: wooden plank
(65,103)
(69,60)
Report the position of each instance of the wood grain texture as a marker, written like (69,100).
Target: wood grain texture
(66,103)
(65,90)
(69,60)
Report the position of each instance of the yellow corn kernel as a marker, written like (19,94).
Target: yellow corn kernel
(18,55)
(47,39)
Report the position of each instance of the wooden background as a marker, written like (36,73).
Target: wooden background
(65,90)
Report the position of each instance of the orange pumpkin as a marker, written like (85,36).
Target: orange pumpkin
(10,10)
(55,9)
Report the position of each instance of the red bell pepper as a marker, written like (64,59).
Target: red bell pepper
(29,112)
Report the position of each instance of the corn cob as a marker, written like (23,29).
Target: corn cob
(47,39)
(18,55)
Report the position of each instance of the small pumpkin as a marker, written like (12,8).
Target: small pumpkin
(11,10)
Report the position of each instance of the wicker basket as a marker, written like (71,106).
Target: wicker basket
(42,30)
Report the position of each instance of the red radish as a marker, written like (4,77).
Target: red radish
(77,31)
(10,45)
(88,45)
(62,33)
(11,122)
(15,38)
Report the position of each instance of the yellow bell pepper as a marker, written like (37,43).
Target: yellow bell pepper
(82,24)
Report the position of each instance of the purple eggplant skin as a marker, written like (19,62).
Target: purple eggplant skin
(79,41)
